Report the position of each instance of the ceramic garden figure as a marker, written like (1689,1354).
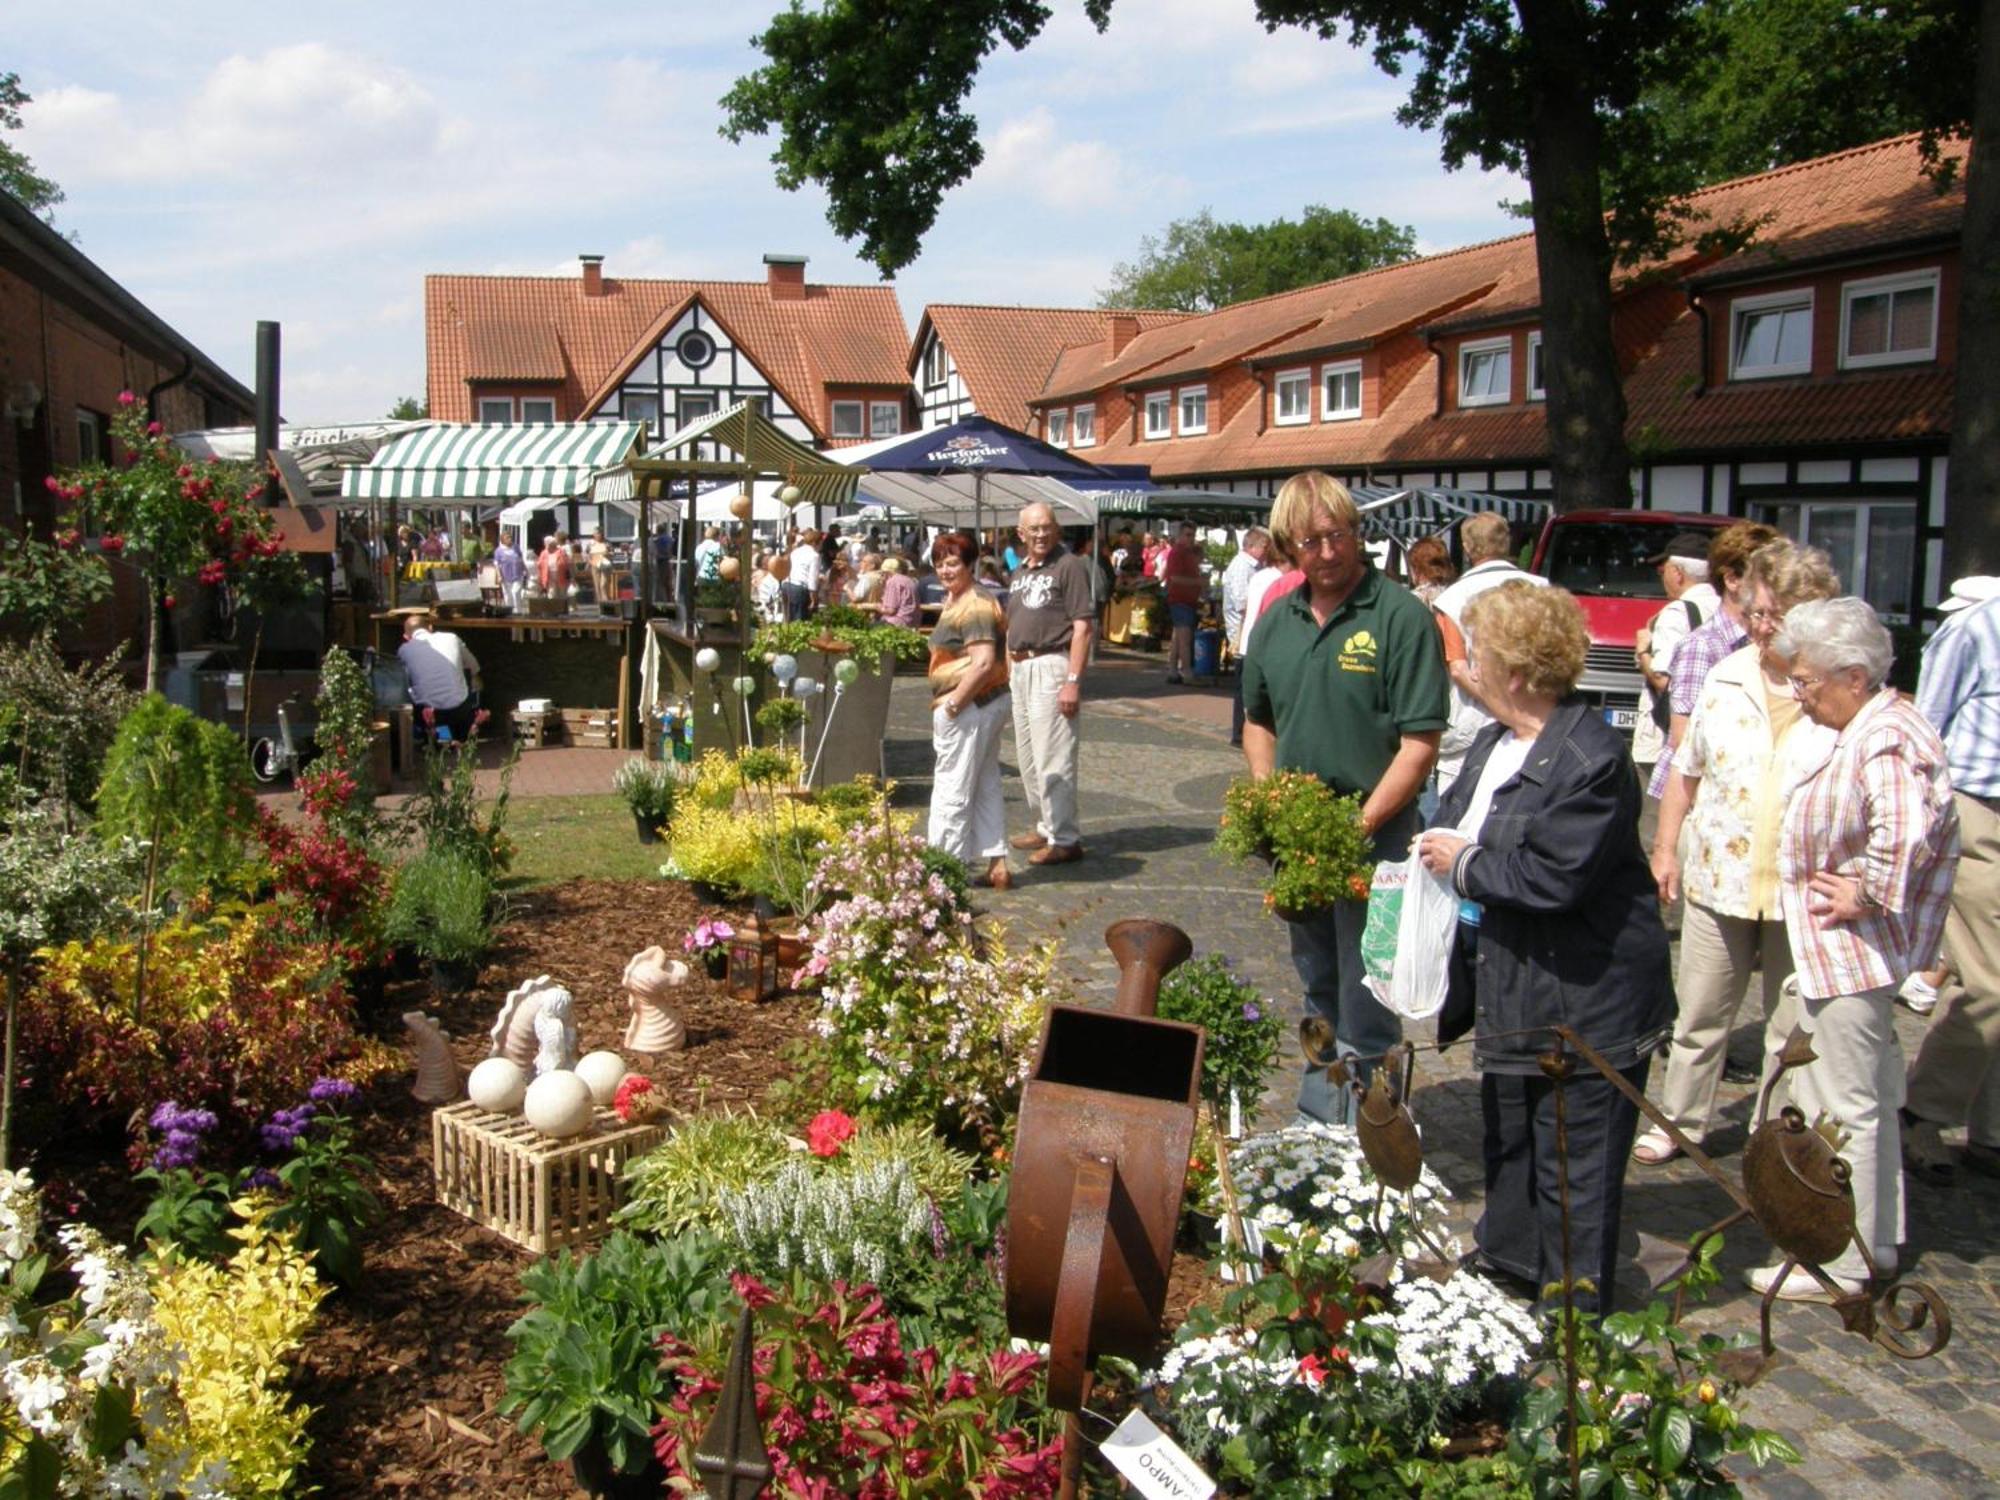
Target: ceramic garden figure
(437,1070)
(555,1035)
(514,1032)
(649,978)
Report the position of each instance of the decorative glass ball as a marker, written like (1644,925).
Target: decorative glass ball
(805,687)
(789,495)
(744,687)
(784,669)
(707,659)
(846,670)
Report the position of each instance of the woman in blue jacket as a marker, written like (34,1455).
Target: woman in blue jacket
(1559,924)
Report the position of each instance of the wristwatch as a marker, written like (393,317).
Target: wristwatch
(1071,679)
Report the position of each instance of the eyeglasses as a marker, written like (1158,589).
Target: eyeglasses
(1761,616)
(1805,684)
(1326,541)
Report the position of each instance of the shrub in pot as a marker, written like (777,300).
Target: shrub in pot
(440,911)
(648,787)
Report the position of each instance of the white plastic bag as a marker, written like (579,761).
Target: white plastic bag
(1424,933)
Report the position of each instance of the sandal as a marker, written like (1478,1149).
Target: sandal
(1654,1149)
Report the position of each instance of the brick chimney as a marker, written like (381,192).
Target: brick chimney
(785,277)
(593,275)
(1120,328)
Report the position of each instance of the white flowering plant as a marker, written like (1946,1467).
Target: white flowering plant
(835,1228)
(1313,1175)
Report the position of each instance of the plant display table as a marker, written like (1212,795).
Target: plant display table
(500,1172)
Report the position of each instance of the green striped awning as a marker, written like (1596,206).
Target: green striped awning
(489,464)
(762,450)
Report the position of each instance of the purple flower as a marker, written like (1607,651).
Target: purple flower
(282,1131)
(169,1116)
(332,1091)
(179,1149)
(1251,1012)
(263,1177)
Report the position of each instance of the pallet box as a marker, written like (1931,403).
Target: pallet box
(500,1172)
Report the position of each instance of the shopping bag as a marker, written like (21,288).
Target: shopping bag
(1414,951)
(1378,937)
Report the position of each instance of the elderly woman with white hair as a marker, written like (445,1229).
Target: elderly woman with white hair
(1865,864)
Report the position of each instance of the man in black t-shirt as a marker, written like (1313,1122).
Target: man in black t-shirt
(1050,618)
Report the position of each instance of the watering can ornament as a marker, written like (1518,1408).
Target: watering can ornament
(1107,1119)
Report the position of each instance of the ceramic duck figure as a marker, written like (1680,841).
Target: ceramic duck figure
(437,1070)
(555,1035)
(514,1032)
(649,978)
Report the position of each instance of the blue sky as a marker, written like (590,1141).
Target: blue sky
(229,162)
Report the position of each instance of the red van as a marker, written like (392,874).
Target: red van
(1600,556)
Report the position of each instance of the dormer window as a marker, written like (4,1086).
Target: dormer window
(538,409)
(1771,335)
(1889,320)
(1486,372)
(1194,410)
(1086,427)
(847,419)
(934,362)
(1292,397)
(1059,427)
(1538,386)
(1159,414)
(496,410)
(1340,401)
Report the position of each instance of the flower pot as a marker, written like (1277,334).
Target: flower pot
(406,963)
(793,946)
(366,984)
(648,827)
(449,978)
(710,895)
(595,1475)
(715,962)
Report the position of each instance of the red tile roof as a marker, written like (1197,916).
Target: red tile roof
(506,327)
(1005,354)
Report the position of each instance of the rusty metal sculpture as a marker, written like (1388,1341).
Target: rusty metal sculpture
(731,1457)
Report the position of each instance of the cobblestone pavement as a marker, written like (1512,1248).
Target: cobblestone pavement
(1155,762)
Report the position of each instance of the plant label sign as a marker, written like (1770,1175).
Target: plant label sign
(1153,1463)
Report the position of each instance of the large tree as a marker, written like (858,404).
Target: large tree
(867,98)
(17,174)
(1198,264)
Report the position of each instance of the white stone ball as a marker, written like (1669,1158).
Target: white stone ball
(558,1104)
(497,1085)
(602,1072)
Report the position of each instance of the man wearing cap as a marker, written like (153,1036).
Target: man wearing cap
(1485,539)
(1050,619)
(1955,1079)
(1683,568)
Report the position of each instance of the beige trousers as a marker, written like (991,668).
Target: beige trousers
(1718,954)
(1045,744)
(1857,1080)
(1955,1079)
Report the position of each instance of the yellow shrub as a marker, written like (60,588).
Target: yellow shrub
(725,846)
(235,1326)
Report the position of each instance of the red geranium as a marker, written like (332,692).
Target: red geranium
(829,1130)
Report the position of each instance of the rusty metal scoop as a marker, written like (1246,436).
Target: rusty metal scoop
(1100,1161)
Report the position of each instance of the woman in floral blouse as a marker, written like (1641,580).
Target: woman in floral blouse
(1745,747)
(1865,865)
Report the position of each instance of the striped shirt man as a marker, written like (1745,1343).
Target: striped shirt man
(1959,692)
(1879,811)
(1694,658)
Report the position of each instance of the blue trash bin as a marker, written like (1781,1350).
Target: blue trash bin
(1207,653)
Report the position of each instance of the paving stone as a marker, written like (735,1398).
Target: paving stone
(1948,1468)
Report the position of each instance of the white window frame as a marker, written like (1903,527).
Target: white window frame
(1769,302)
(1538,390)
(1057,426)
(857,413)
(1182,397)
(1303,379)
(1160,404)
(1331,409)
(1864,514)
(625,404)
(1503,346)
(885,419)
(1876,286)
(547,405)
(692,406)
(89,435)
(1083,427)
(505,406)
(935,368)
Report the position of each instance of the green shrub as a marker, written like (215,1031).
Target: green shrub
(440,908)
(1243,1030)
(345,735)
(57,723)
(448,816)
(676,1187)
(648,787)
(182,786)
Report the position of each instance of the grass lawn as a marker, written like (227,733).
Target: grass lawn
(567,838)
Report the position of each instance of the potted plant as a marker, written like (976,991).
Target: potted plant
(1318,851)
(708,944)
(1243,1031)
(439,911)
(648,787)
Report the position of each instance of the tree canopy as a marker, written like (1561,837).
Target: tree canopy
(17,174)
(1198,264)
(409,409)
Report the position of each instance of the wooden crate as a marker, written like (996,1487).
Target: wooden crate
(501,1172)
(591,726)
(530,729)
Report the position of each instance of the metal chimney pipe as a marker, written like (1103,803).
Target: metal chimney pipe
(267,401)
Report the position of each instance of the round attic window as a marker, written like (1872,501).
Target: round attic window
(696,349)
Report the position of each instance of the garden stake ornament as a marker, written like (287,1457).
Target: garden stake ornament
(731,1457)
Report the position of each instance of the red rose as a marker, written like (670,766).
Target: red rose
(170,601)
(113,543)
(828,1130)
(126,398)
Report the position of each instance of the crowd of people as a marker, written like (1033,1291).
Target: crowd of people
(1797,819)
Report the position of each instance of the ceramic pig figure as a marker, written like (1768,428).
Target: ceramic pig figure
(437,1070)
(514,1032)
(555,1035)
(649,978)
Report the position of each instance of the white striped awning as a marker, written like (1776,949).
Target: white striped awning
(760,448)
(489,464)
(1411,514)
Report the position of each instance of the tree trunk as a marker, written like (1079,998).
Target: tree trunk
(250,677)
(1972,483)
(156,594)
(1590,464)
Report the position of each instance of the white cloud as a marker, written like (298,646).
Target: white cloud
(1029,154)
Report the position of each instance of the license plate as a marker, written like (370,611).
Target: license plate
(1622,718)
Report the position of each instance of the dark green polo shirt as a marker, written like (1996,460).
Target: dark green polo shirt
(1341,696)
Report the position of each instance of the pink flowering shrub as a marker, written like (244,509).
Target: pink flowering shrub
(922,1022)
(847,1411)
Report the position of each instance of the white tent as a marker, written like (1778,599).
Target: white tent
(957,498)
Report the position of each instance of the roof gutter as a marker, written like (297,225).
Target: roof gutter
(1830,262)
(153,391)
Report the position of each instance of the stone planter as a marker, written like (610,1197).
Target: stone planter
(854,748)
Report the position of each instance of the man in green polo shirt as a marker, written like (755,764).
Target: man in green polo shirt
(1344,677)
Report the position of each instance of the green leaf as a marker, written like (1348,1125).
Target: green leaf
(111,1420)
(1672,1433)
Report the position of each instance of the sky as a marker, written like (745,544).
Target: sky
(311,164)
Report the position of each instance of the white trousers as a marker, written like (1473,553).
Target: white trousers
(1045,742)
(1857,1080)
(1717,955)
(967,818)
(1956,1078)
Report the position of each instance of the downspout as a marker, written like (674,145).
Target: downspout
(1437,402)
(1263,400)
(153,392)
(1700,310)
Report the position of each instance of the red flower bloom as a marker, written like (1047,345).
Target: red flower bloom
(113,543)
(1313,1369)
(154,429)
(828,1131)
(630,1088)
(751,1290)
(170,601)
(126,398)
